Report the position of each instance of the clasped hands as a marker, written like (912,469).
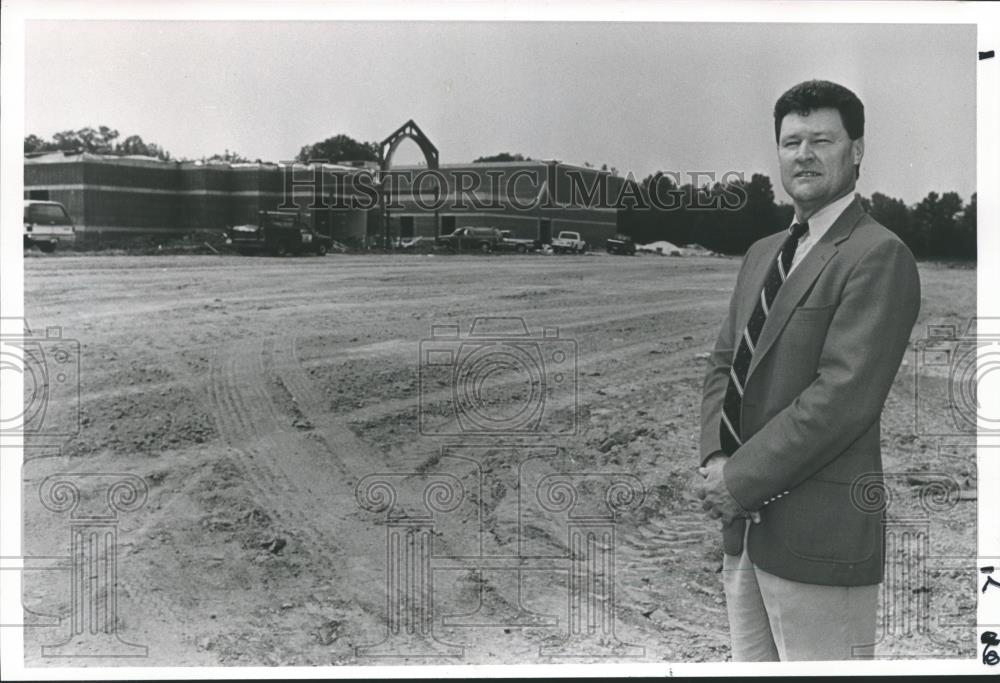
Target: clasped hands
(715,497)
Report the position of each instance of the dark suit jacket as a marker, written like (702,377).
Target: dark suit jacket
(824,363)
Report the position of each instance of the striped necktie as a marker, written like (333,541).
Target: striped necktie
(729,429)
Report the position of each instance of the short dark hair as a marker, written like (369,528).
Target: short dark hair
(808,96)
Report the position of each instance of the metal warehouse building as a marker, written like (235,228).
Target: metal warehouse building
(116,195)
(532,199)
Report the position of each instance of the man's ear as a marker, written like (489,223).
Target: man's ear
(858,150)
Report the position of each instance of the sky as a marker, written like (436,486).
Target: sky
(642,97)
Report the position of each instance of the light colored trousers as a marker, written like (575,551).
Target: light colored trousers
(773,619)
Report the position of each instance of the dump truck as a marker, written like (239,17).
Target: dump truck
(279,233)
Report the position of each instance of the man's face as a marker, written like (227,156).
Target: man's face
(817,157)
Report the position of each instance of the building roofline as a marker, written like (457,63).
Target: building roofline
(61,156)
(501,164)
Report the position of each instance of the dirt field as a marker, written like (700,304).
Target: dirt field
(262,400)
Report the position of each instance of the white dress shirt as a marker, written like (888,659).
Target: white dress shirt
(819,223)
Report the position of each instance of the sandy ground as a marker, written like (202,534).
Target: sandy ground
(317,492)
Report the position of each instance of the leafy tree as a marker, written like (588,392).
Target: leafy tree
(100,140)
(96,140)
(946,242)
(339,148)
(228,158)
(967,229)
(784,213)
(893,214)
(935,222)
(604,167)
(502,156)
(134,145)
(758,217)
(33,143)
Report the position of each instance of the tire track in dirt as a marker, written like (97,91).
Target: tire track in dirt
(303,389)
(651,541)
(296,473)
(358,459)
(650,584)
(349,454)
(236,423)
(256,434)
(621,355)
(337,456)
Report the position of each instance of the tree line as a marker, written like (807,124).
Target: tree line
(100,140)
(937,227)
(108,141)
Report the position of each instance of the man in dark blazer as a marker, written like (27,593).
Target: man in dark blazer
(817,326)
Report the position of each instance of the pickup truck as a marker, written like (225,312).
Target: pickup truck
(521,245)
(279,233)
(568,242)
(47,224)
(485,240)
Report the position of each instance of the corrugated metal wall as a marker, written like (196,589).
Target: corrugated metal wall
(515,196)
(112,194)
(124,195)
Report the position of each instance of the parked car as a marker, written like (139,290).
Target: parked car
(485,240)
(620,244)
(521,245)
(569,242)
(278,233)
(46,225)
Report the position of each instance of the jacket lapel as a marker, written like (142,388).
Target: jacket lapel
(750,293)
(802,278)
